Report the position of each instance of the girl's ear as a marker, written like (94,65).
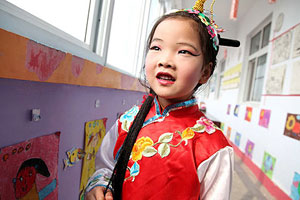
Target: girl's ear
(205,73)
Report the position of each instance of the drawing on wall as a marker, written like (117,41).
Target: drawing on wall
(231,77)
(281,47)
(248,114)
(264,118)
(228,109)
(94,134)
(296,47)
(222,126)
(292,126)
(237,139)
(42,60)
(30,169)
(77,65)
(74,155)
(275,80)
(249,149)
(236,110)
(228,132)
(268,164)
(295,81)
(295,188)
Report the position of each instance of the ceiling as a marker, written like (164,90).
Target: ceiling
(222,9)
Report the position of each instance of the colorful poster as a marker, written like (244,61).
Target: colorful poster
(292,126)
(228,132)
(228,109)
(236,110)
(295,188)
(248,114)
(94,134)
(268,164)
(264,118)
(29,169)
(237,139)
(249,149)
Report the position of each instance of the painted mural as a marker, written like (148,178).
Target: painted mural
(30,169)
(46,64)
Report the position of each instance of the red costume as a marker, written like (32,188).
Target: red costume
(179,154)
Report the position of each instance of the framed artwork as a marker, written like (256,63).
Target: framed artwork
(292,126)
(249,149)
(268,164)
(264,118)
(248,115)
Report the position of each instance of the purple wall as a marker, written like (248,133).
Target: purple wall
(64,108)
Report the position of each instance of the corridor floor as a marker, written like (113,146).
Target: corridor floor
(245,184)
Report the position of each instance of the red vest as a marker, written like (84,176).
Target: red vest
(168,150)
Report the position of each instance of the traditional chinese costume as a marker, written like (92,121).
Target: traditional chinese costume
(178,154)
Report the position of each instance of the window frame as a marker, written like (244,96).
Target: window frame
(247,90)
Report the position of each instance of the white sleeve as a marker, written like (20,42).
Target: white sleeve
(215,175)
(104,161)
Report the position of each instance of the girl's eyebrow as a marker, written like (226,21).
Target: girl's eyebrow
(156,39)
(188,44)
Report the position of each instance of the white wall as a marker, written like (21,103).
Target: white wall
(286,150)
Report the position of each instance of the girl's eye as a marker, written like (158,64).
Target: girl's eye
(186,52)
(155,48)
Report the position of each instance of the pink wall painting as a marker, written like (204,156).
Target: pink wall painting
(29,169)
(42,60)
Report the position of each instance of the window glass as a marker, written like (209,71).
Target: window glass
(259,78)
(124,34)
(255,40)
(67,15)
(251,68)
(266,35)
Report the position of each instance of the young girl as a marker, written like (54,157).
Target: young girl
(167,148)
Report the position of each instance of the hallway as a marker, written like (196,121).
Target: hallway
(245,184)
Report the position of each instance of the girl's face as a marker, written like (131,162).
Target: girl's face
(174,63)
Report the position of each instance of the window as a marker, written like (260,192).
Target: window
(257,63)
(72,17)
(256,73)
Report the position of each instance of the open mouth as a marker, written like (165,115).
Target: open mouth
(165,77)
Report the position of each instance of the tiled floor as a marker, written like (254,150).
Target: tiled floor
(245,184)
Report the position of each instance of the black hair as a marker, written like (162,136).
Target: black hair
(210,54)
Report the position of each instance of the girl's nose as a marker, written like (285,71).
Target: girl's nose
(166,61)
(161,64)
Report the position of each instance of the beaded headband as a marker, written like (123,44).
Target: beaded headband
(211,27)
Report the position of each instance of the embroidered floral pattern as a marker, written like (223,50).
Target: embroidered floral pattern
(144,146)
(128,117)
(210,127)
(140,145)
